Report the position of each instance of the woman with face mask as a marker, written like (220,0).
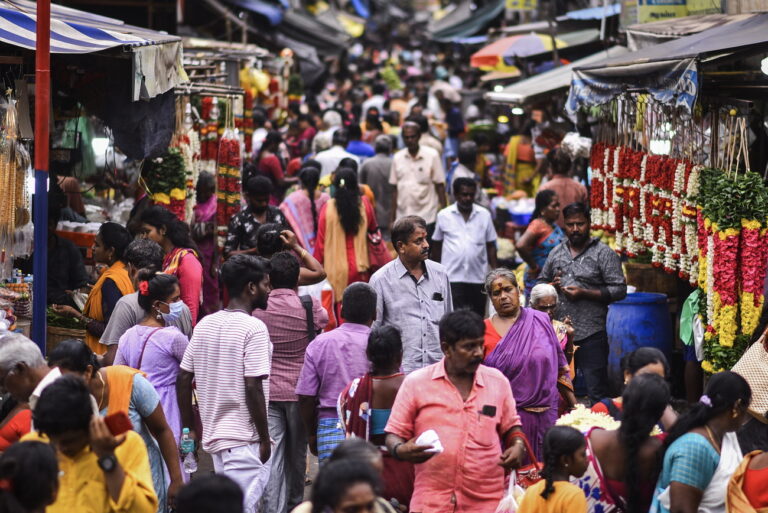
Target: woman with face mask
(154,346)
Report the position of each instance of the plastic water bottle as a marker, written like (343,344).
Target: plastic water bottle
(187,449)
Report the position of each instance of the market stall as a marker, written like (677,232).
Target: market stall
(677,170)
(104,67)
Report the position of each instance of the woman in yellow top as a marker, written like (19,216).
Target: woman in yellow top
(99,473)
(114,283)
(520,171)
(565,455)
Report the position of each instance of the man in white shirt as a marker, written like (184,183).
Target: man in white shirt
(329,159)
(377,100)
(229,358)
(465,243)
(417,179)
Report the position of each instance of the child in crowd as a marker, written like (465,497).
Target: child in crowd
(565,455)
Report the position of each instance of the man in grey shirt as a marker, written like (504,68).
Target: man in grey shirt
(413,293)
(588,277)
(140,254)
(375,174)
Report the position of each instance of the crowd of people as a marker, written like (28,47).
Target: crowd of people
(362,309)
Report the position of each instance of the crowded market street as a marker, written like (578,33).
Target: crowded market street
(420,256)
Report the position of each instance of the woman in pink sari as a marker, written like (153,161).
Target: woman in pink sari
(301,207)
(203,233)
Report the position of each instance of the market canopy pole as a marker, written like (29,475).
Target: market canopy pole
(42,135)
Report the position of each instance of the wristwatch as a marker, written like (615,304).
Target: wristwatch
(108,463)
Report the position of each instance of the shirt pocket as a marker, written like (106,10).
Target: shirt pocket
(484,433)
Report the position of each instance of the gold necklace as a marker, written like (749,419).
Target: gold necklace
(712,437)
(103,389)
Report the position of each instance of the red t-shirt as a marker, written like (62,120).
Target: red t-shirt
(14,429)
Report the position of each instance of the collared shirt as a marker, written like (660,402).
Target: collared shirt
(415,178)
(332,360)
(83,485)
(597,267)
(464,252)
(227,347)
(329,159)
(241,232)
(465,477)
(415,307)
(286,322)
(375,174)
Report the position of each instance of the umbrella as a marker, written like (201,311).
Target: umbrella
(497,55)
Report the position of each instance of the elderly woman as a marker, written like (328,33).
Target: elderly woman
(522,344)
(544,299)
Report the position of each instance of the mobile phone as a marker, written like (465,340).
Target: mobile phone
(118,423)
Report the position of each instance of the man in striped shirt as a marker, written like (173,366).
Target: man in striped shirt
(286,320)
(229,358)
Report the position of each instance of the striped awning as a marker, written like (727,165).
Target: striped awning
(72,31)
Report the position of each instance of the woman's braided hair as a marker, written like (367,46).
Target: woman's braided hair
(558,442)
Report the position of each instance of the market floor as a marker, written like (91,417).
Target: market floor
(205,466)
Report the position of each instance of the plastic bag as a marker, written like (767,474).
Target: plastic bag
(510,502)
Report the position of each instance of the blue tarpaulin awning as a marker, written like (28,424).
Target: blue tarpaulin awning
(72,31)
(273,13)
(592,13)
(668,71)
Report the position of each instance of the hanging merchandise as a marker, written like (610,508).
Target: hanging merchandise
(187,141)
(228,172)
(15,226)
(165,181)
(733,242)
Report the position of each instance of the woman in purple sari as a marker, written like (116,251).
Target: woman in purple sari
(203,232)
(528,354)
(155,348)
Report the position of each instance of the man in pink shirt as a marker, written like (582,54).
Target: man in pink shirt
(471,408)
(567,189)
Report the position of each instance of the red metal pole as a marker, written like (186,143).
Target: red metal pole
(42,137)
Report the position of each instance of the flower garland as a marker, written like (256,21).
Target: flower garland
(731,220)
(227,183)
(165,179)
(647,202)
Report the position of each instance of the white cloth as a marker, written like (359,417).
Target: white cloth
(377,101)
(243,466)
(329,159)
(257,138)
(464,252)
(713,498)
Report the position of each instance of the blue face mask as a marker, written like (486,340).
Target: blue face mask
(175,311)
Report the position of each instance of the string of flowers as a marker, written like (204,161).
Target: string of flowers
(731,219)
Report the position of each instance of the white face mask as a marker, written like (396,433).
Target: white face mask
(175,311)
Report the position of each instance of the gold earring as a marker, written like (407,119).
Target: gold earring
(735,414)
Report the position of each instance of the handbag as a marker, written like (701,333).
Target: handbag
(378,253)
(530,474)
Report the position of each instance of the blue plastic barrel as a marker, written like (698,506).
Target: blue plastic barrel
(641,319)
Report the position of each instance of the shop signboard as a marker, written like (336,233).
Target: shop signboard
(659,10)
(521,5)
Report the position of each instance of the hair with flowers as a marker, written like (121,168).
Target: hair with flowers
(144,288)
